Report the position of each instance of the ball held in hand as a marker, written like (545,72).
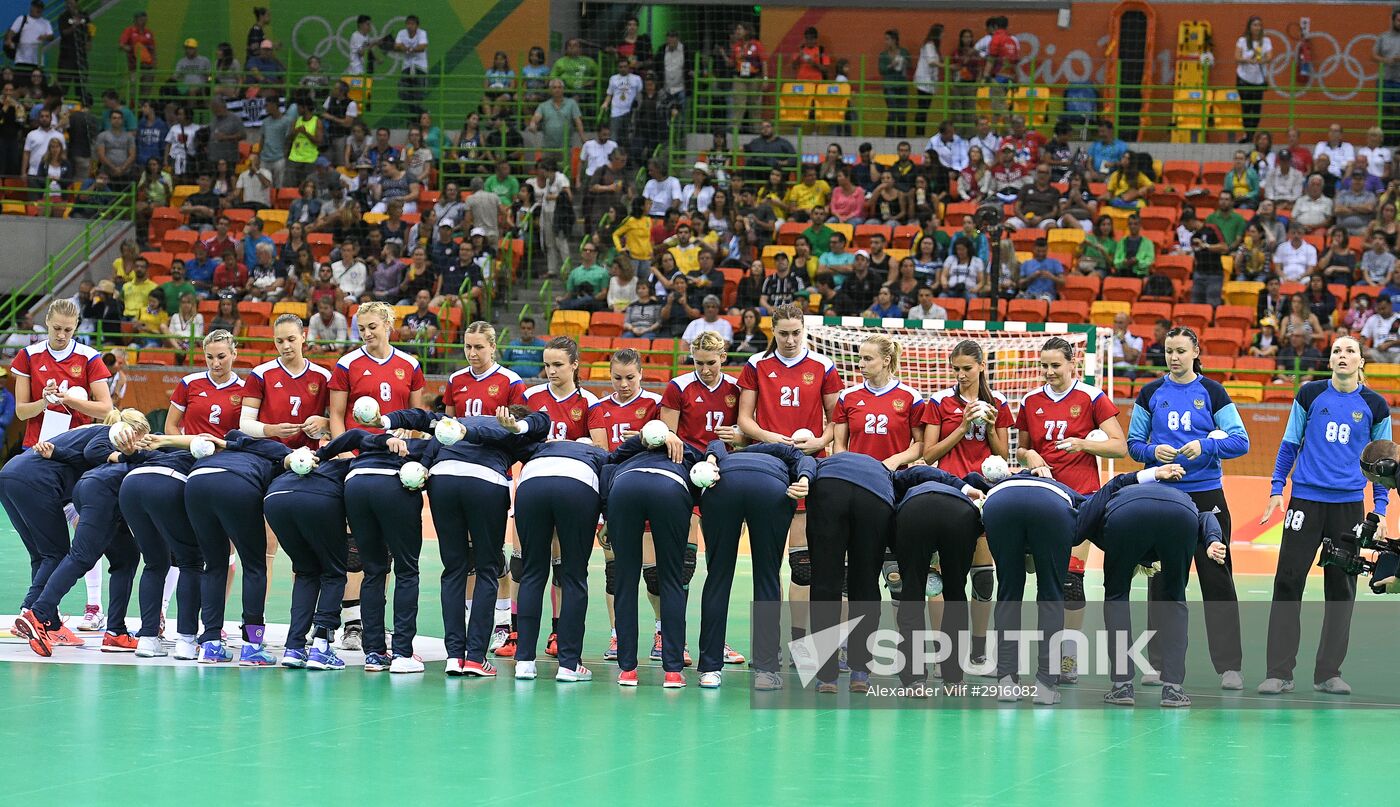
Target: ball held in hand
(654,433)
(366,411)
(301,461)
(201,447)
(413,475)
(703,475)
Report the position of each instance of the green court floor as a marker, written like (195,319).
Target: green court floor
(96,735)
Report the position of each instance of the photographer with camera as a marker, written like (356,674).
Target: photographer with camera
(1380,462)
(1332,420)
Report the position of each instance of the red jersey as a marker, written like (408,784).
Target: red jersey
(702,409)
(879,423)
(790,391)
(390,381)
(569,414)
(208,408)
(1046,418)
(614,417)
(288,398)
(77,366)
(468,394)
(944,409)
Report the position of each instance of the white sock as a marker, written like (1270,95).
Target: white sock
(171,578)
(93,578)
(351,614)
(503,603)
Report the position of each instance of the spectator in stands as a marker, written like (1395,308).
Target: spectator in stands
(698,193)
(1375,159)
(1265,343)
(419,276)
(1243,182)
(1274,229)
(1386,52)
(709,320)
(1379,333)
(181,147)
(268,279)
(1298,317)
(768,151)
(949,146)
(964,273)
(253,238)
(1392,289)
(186,325)
(135,290)
(203,205)
(349,272)
(417,157)
(1027,143)
(661,192)
(174,289)
(1106,153)
(887,205)
(1230,223)
(1322,168)
(1077,203)
(1271,302)
(412,42)
(1041,277)
(1254,258)
(1298,354)
(36,143)
(904,168)
(880,263)
(1357,313)
(388,274)
(847,199)
(1253,51)
(193,70)
(622,283)
(1126,347)
(151,321)
(859,287)
(150,134)
(103,309)
(420,327)
(1354,205)
(1295,258)
(1377,262)
(253,190)
(1282,182)
(643,318)
(328,326)
(1313,210)
(1321,302)
(624,87)
(1387,222)
(927,307)
(806,195)
(836,260)
(1127,187)
(579,73)
(140,46)
(1339,152)
(1338,263)
(781,287)
(894,65)
(226,315)
(395,186)
(1207,246)
(1036,203)
(1155,354)
(1135,255)
(975,179)
(681,306)
(1097,251)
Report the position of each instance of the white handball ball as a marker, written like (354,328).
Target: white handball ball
(77,393)
(413,475)
(448,431)
(1218,434)
(703,475)
(1097,436)
(588,441)
(802,434)
(201,447)
(119,433)
(302,461)
(366,411)
(654,433)
(995,469)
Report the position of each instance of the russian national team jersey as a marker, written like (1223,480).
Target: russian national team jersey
(1327,429)
(288,398)
(615,418)
(77,366)
(1170,413)
(1046,419)
(879,423)
(470,395)
(790,391)
(944,409)
(390,381)
(568,415)
(208,408)
(702,409)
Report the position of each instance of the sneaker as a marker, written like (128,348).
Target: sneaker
(499,634)
(1275,686)
(765,681)
(1151,679)
(860,683)
(507,650)
(1069,670)
(93,619)
(150,647)
(255,655)
(577,675)
(293,659)
(324,660)
(404,665)
(627,678)
(656,647)
(1174,697)
(732,656)
(611,653)
(981,667)
(185,650)
(686,660)
(552,647)
(118,643)
(377,662)
(674,680)
(454,667)
(479,669)
(1121,695)
(61,636)
(1045,695)
(1333,686)
(525,671)
(1006,689)
(710,680)
(826,687)
(352,638)
(28,626)
(1231,680)
(214,653)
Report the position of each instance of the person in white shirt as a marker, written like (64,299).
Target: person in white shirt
(29,33)
(328,325)
(254,184)
(361,42)
(1375,158)
(1127,348)
(698,194)
(708,321)
(548,184)
(1295,258)
(1282,182)
(1339,152)
(349,272)
(1312,209)
(36,143)
(661,192)
(985,139)
(1382,343)
(180,146)
(412,42)
(927,308)
(673,66)
(623,89)
(950,148)
(595,153)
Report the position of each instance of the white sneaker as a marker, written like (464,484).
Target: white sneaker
(405,664)
(454,667)
(578,675)
(499,634)
(1275,686)
(1007,689)
(1153,679)
(352,638)
(1231,680)
(525,671)
(1334,686)
(185,649)
(150,647)
(710,680)
(1046,695)
(92,619)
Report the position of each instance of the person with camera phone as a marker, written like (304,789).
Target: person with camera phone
(1331,422)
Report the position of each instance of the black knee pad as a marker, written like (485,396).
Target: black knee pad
(983,583)
(554,571)
(517,568)
(352,555)
(610,576)
(800,566)
(500,561)
(1074,591)
(688,564)
(653,578)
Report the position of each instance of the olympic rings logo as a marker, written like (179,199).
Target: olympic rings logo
(314,36)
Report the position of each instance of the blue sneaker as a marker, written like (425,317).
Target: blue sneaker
(327,660)
(860,682)
(842,663)
(378,662)
(254,655)
(214,653)
(294,659)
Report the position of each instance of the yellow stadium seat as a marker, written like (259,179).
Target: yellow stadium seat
(1225,111)
(374,219)
(273,220)
(1192,37)
(829,102)
(1242,292)
(1032,103)
(770,253)
(361,88)
(289,308)
(180,193)
(845,229)
(1227,262)
(1064,235)
(795,102)
(1102,312)
(885,160)
(568,323)
(897,255)
(1189,108)
(1245,391)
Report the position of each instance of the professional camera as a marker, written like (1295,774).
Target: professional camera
(1386,563)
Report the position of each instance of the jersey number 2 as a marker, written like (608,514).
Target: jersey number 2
(790,397)
(877,424)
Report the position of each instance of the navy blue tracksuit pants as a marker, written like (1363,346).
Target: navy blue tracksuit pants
(1172,538)
(760,500)
(386,519)
(636,498)
(847,523)
(470,517)
(1035,521)
(311,529)
(101,531)
(546,506)
(222,508)
(38,517)
(153,505)
(950,526)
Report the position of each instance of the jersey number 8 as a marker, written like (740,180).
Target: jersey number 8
(1338,432)
(1179,421)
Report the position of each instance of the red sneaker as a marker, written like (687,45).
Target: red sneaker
(63,637)
(507,650)
(732,656)
(674,680)
(627,678)
(552,649)
(112,643)
(611,653)
(28,626)
(685,657)
(479,669)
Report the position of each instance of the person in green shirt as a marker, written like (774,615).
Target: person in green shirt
(556,116)
(502,183)
(1134,255)
(894,72)
(579,72)
(1230,224)
(588,271)
(1097,249)
(818,234)
(176,287)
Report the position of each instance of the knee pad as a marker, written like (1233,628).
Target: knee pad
(800,566)
(610,576)
(983,582)
(688,564)
(500,561)
(1074,591)
(653,578)
(517,568)
(889,570)
(554,566)
(352,555)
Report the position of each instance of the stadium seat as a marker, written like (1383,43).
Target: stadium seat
(955,306)
(1234,316)
(178,241)
(163,219)
(569,323)
(159,358)
(1102,312)
(979,309)
(254,314)
(594,348)
(1290,289)
(1122,289)
(845,229)
(795,102)
(788,232)
(1384,378)
(770,252)
(1226,112)
(1370,291)
(1213,173)
(957,211)
(1070,311)
(1342,292)
(273,220)
(1147,313)
(284,198)
(1181,173)
(1281,393)
(1217,368)
(1176,267)
(1253,368)
(663,352)
(180,193)
(157,263)
(1193,315)
(237,218)
(1220,341)
(606,324)
(1027,311)
(1157,218)
(321,245)
(290,307)
(1081,288)
(904,236)
(642,346)
(1071,236)
(1026,238)
(1242,293)
(1246,391)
